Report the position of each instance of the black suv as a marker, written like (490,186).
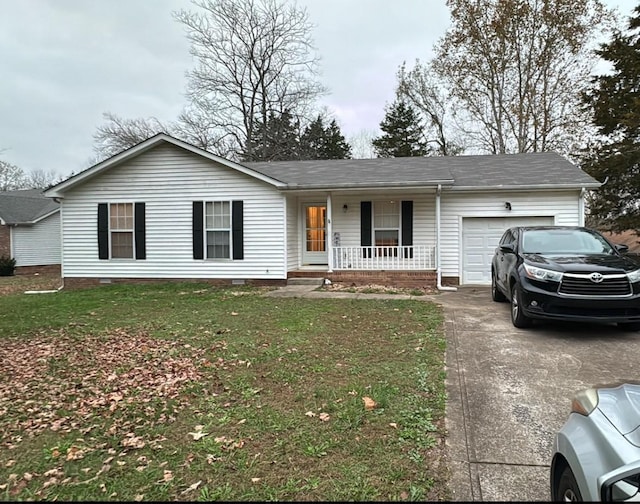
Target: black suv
(565,273)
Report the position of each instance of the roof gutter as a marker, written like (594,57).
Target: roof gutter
(532,187)
(438,269)
(365,186)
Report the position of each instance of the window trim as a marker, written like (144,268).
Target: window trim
(137,231)
(130,231)
(379,250)
(206,230)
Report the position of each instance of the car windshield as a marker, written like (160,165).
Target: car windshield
(564,241)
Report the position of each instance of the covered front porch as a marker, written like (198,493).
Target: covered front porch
(347,233)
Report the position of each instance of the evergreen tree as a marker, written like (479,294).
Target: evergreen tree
(403,133)
(277,140)
(615,101)
(312,140)
(335,147)
(320,142)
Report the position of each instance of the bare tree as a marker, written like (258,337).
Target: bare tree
(11,177)
(254,58)
(118,134)
(362,144)
(196,126)
(517,68)
(41,179)
(426,92)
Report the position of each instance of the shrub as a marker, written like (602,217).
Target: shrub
(7,265)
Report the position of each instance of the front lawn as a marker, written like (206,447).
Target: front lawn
(189,392)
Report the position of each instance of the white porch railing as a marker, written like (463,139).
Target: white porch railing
(416,257)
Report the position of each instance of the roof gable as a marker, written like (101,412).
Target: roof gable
(25,206)
(58,190)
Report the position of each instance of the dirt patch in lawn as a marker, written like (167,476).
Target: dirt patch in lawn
(20,283)
(379,289)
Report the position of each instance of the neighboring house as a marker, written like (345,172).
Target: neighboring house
(30,230)
(165,209)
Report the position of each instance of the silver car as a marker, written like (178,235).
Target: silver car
(597,452)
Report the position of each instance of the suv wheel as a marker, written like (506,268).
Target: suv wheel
(567,489)
(629,326)
(518,319)
(496,294)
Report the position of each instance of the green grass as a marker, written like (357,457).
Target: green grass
(187,392)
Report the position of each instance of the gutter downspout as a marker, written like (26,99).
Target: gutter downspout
(438,270)
(581,206)
(329,235)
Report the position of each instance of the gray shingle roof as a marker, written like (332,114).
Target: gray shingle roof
(478,171)
(355,172)
(25,207)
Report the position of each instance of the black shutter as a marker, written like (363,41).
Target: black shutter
(365,228)
(237,229)
(103,231)
(198,230)
(407,228)
(140,231)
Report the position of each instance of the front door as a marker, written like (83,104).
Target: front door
(315,234)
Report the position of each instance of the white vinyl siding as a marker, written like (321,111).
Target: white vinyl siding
(169,179)
(38,244)
(293,247)
(347,224)
(561,206)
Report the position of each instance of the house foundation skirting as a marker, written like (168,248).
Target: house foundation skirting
(46,269)
(85,282)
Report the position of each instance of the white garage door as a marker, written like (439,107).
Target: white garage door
(480,237)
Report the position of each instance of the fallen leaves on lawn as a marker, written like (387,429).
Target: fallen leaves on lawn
(191,488)
(92,378)
(198,433)
(17,284)
(369,403)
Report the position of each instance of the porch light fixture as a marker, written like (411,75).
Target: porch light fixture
(507,205)
(345,208)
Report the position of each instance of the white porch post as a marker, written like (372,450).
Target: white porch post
(329,238)
(581,207)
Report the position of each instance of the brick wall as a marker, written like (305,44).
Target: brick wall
(48,269)
(81,283)
(5,241)
(410,279)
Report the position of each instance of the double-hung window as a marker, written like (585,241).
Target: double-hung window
(218,229)
(386,227)
(121,231)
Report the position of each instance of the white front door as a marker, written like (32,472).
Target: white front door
(314,249)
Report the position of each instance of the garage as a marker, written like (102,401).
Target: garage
(480,237)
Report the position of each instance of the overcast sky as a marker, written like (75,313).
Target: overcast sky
(65,62)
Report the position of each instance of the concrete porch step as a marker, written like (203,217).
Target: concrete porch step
(305,281)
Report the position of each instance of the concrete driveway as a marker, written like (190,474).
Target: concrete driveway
(510,390)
